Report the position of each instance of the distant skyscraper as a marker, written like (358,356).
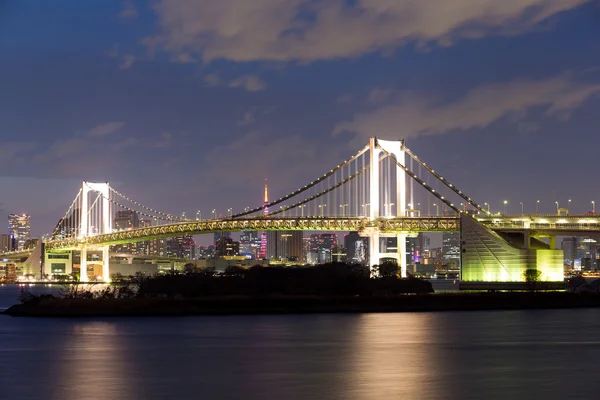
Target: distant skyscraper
(451,248)
(285,245)
(226,247)
(262,253)
(250,244)
(19,228)
(126,220)
(5,242)
(220,235)
(321,246)
(356,248)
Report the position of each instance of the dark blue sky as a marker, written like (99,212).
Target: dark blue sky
(187,105)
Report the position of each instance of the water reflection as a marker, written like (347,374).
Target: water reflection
(394,356)
(92,363)
(491,355)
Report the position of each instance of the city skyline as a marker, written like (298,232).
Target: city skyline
(499,100)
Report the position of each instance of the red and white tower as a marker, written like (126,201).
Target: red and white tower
(262,252)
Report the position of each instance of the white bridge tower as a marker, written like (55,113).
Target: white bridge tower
(95,220)
(395,149)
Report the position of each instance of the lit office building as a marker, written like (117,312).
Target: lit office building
(356,248)
(225,246)
(126,220)
(451,248)
(320,246)
(19,228)
(5,242)
(250,243)
(220,235)
(285,245)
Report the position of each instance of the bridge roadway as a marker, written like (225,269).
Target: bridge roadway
(542,225)
(538,224)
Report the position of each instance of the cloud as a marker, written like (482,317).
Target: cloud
(128,142)
(276,154)
(251,83)
(377,96)
(105,129)
(413,116)
(129,10)
(10,150)
(306,30)
(248,119)
(212,80)
(127,61)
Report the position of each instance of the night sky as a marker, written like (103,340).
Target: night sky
(185,105)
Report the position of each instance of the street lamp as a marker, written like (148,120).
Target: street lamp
(537,207)
(343,207)
(365,209)
(521,208)
(505,206)
(229,210)
(322,208)
(437,209)
(488,206)
(593,207)
(556,207)
(198,215)
(214,213)
(387,207)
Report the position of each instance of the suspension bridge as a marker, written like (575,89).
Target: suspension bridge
(384,190)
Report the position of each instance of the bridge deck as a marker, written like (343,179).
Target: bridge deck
(537,224)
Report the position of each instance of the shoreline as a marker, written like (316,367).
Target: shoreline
(245,305)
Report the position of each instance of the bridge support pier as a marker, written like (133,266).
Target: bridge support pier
(401,243)
(83,276)
(373,235)
(105,264)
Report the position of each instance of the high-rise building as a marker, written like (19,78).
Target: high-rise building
(156,247)
(250,244)
(451,248)
(126,220)
(226,247)
(5,242)
(582,253)
(320,247)
(181,247)
(262,252)
(356,248)
(219,235)
(19,228)
(285,245)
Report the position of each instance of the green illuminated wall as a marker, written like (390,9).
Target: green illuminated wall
(487,257)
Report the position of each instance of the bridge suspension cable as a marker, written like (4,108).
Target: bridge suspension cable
(444,181)
(420,181)
(320,194)
(305,188)
(169,216)
(61,222)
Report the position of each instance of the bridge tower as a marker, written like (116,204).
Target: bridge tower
(102,225)
(395,148)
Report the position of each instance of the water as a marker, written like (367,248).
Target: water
(454,355)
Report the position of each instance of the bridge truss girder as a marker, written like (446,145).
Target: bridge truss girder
(407,225)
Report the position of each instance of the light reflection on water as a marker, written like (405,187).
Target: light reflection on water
(453,355)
